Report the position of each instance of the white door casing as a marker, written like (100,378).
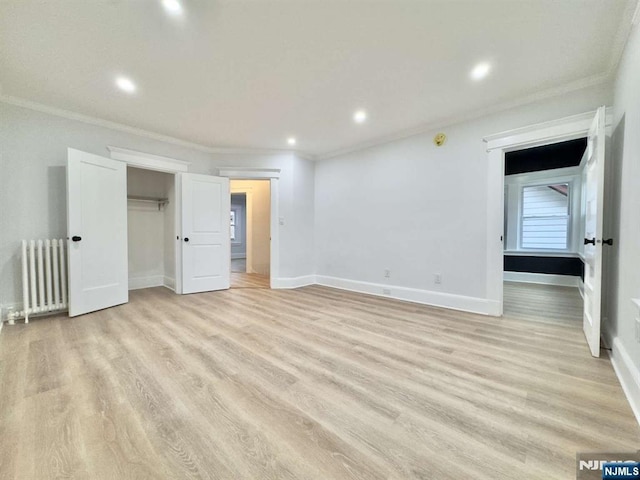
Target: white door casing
(97,220)
(205,241)
(563,129)
(593,231)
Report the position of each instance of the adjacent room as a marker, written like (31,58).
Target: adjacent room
(250,231)
(319,240)
(544,214)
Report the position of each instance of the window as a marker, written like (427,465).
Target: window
(545,217)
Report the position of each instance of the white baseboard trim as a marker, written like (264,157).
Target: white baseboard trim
(136,283)
(293,282)
(494,308)
(542,278)
(425,297)
(170,283)
(628,374)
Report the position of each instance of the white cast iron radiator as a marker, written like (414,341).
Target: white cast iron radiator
(44,278)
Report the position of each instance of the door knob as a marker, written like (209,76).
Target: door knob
(186,239)
(590,241)
(608,241)
(76,238)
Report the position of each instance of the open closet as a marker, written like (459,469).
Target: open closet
(144,225)
(151,228)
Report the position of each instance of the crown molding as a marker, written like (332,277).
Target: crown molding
(79,117)
(446,122)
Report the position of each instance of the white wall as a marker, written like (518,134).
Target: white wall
(258,223)
(33,151)
(624,222)
(420,210)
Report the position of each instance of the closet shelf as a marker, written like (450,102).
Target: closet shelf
(139,198)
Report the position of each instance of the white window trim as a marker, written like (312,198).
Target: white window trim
(569,216)
(569,175)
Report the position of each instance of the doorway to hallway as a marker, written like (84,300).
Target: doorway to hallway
(250,233)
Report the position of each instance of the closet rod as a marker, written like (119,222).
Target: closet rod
(139,198)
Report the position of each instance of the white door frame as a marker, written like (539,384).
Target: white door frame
(273,175)
(170,165)
(568,128)
(157,163)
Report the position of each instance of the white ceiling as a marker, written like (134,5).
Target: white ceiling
(252,73)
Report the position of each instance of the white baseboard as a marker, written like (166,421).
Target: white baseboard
(425,297)
(136,283)
(293,282)
(170,283)
(628,373)
(542,278)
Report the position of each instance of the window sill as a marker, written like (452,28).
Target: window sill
(541,253)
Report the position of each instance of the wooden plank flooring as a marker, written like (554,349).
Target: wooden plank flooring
(312,383)
(249,280)
(543,303)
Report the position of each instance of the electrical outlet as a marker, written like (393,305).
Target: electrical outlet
(386,291)
(387,274)
(437,278)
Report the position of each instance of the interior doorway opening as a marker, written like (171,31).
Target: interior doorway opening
(543,225)
(250,233)
(593,125)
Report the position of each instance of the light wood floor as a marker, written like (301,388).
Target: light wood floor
(311,383)
(543,303)
(249,280)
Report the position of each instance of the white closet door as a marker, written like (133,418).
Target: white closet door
(206,243)
(97,232)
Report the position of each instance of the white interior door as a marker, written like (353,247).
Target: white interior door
(593,231)
(97,232)
(205,239)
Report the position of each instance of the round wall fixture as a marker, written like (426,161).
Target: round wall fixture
(439,139)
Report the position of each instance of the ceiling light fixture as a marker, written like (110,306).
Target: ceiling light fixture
(291,141)
(360,116)
(172,6)
(480,71)
(125,84)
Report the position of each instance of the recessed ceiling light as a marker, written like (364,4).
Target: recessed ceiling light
(480,71)
(125,84)
(291,140)
(172,6)
(360,116)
